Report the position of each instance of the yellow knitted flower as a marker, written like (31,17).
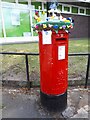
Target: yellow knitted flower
(44,26)
(38,19)
(43,13)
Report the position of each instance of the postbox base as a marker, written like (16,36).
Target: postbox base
(54,103)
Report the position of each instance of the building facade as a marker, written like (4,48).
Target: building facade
(17,17)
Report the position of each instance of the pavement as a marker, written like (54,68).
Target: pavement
(14,40)
(25,103)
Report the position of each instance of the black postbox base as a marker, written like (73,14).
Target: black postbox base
(54,103)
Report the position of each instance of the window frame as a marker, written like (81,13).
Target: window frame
(82,9)
(63,6)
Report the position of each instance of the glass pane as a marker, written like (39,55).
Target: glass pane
(12,1)
(34,22)
(17,22)
(0,26)
(22,2)
(81,10)
(42,16)
(88,11)
(67,9)
(74,10)
(45,6)
(37,4)
(59,7)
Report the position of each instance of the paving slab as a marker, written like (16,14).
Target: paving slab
(24,103)
(14,40)
(17,104)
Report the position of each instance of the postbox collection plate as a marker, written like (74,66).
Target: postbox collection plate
(46,37)
(61,52)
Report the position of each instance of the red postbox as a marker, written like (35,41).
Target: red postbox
(53,49)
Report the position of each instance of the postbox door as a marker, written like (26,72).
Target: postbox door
(60,61)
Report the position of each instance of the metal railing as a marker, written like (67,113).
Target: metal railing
(36,54)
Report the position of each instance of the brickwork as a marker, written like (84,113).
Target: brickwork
(81,27)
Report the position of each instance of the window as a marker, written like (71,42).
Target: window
(37,4)
(88,11)
(45,6)
(17,22)
(12,1)
(23,2)
(0,27)
(74,10)
(82,11)
(59,7)
(66,9)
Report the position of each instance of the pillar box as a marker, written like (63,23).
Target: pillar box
(53,50)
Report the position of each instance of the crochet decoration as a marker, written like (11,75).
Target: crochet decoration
(54,22)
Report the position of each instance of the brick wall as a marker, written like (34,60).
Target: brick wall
(81,26)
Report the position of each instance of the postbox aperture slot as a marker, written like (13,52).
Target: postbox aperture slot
(57,39)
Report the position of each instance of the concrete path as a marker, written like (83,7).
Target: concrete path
(24,103)
(20,103)
(13,40)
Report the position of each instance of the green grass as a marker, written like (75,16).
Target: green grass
(77,65)
(8,60)
(76,46)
